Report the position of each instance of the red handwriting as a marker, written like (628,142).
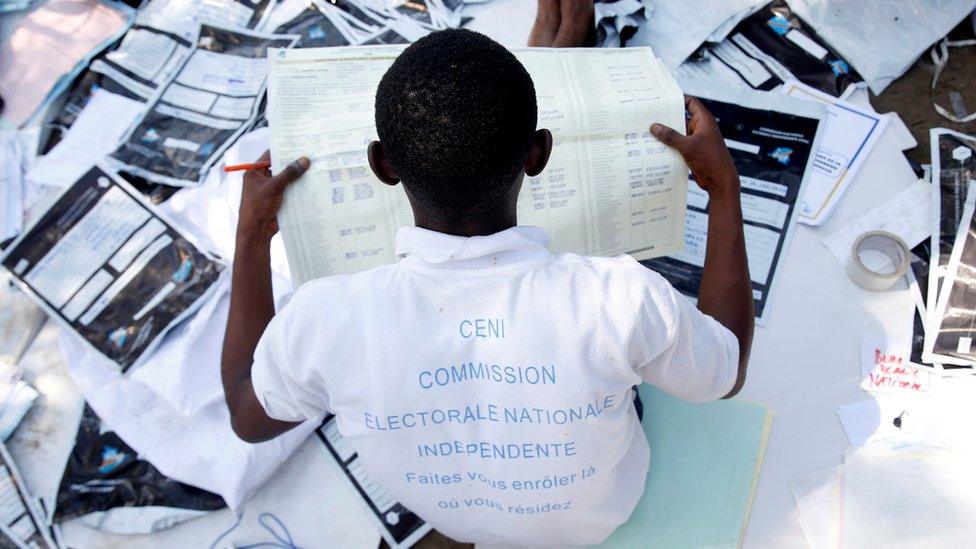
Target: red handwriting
(891,373)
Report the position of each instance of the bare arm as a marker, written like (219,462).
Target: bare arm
(251,300)
(726,289)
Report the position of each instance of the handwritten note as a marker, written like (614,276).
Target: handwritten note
(906,215)
(885,367)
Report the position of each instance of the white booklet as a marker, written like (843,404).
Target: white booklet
(610,187)
(849,137)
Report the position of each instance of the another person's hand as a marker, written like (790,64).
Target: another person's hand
(703,149)
(562,23)
(262,196)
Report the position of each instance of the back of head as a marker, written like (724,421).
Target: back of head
(455,114)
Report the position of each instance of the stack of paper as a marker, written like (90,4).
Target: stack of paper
(210,102)
(888,495)
(906,479)
(705,462)
(950,319)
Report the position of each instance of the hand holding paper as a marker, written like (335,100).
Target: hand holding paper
(703,149)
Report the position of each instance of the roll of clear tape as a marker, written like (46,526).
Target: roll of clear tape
(886,243)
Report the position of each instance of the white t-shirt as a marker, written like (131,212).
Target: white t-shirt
(487,384)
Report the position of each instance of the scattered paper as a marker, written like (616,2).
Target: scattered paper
(602,204)
(908,497)
(818,498)
(98,131)
(870,421)
(907,215)
(51,42)
(850,135)
(886,368)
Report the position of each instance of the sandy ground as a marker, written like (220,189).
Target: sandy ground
(911,95)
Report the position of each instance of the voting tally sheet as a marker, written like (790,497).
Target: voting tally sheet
(164,35)
(212,99)
(110,267)
(772,140)
(154,48)
(398,526)
(949,337)
(22,524)
(610,188)
(953,167)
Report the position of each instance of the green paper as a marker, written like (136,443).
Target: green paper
(705,461)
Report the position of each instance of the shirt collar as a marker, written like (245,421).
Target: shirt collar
(514,245)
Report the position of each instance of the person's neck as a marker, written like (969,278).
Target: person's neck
(472,225)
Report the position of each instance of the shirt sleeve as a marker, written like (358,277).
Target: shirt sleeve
(699,360)
(286,390)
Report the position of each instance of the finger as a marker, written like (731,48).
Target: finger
(668,136)
(264,172)
(697,110)
(290,174)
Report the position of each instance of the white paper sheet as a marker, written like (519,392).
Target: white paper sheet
(873,420)
(882,39)
(906,215)
(338,218)
(909,497)
(677,29)
(818,498)
(859,95)
(850,136)
(97,131)
(11,186)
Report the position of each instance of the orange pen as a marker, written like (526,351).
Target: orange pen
(242,167)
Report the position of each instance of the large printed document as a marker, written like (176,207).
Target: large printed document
(610,187)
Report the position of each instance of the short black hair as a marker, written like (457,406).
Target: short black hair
(455,114)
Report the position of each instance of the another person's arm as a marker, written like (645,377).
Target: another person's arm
(563,24)
(251,299)
(726,289)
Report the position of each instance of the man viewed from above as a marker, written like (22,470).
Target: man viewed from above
(486,383)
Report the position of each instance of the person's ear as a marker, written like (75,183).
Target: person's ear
(540,152)
(379,164)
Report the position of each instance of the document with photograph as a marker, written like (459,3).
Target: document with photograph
(772,140)
(110,268)
(610,187)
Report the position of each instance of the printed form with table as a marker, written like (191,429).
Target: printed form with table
(119,230)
